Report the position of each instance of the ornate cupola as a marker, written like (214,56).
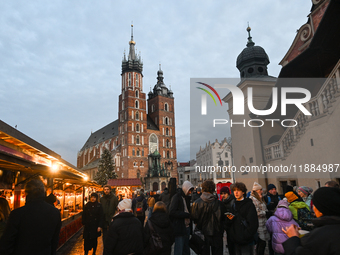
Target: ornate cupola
(160,88)
(253,60)
(134,61)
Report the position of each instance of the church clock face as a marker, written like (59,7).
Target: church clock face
(153,143)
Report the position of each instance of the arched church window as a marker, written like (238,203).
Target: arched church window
(133,151)
(167,154)
(166,121)
(153,143)
(137,94)
(137,139)
(138,153)
(137,115)
(137,127)
(167,143)
(137,104)
(166,131)
(166,107)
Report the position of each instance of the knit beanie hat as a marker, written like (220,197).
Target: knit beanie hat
(288,188)
(283,203)
(256,186)
(186,186)
(125,204)
(291,196)
(305,190)
(327,201)
(271,186)
(225,189)
(94,195)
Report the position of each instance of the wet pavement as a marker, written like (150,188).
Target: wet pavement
(75,246)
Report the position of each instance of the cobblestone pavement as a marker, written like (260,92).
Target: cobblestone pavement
(75,246)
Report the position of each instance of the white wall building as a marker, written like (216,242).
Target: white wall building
(213,155)
(310,149)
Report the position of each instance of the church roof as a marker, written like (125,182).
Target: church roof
(151,125)
(101,135)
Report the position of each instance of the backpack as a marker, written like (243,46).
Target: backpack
(270,200)
(305,219)
(155,244)
(139,209)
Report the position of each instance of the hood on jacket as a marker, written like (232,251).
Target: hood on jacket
(207,197)
(161,219)
(283,214)
(140,198)
(299,205)
(186,186)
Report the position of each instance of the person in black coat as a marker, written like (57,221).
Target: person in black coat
(93,219)
(243,224)
(324,238)
(179,213)
(165,197)
(162,226)
(125,235)
(34,228)
(208,213)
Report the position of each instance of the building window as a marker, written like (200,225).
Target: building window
(137,104)
(138,153)
(137,92)
(166,108)
(226,154)
(167,131)
(152,108)
(166,121)
(167,154)
(227,162)
(137,115)
(137,139)
(141,163)
(135,164)
(167,143)
(136,82)
(137,127)
(142,152)
(133,151)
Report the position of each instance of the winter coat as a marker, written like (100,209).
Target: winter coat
(272,203)
(125,235)
(208,213)
(177,213)
(195,196)
(165,197)
(261,210)
(151,202)
(228,203)
(243,210)
(92,220)
(2,227)
(109,204)
(294,206)
(282,218)
(308,201)
(139,199)
(323,239)
(32,229)
(162,225)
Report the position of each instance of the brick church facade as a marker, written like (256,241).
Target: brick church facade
(142,140)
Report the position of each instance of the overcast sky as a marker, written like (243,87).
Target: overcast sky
(60,61)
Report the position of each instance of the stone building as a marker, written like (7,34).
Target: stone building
(307,145)
(214,154)
(142,140)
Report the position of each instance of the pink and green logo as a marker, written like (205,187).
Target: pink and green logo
(204,97)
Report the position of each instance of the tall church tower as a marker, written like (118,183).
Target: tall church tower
(162,113)
(132,116)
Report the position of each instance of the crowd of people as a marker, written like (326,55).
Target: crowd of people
(298,222)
